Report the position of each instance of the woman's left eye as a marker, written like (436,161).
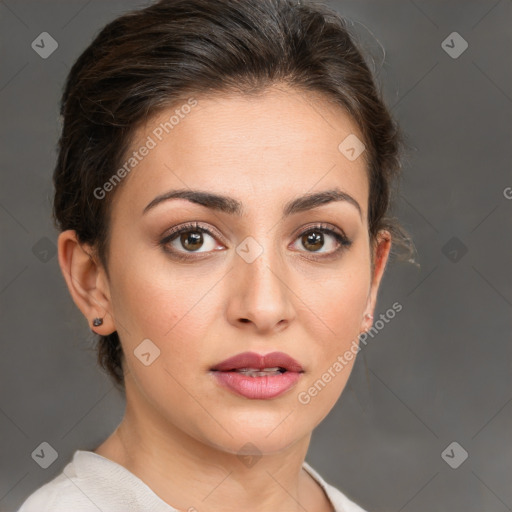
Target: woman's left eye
(191,238)
(313,239)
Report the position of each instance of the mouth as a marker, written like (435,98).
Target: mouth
(275,362)
(257,376)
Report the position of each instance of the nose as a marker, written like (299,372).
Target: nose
(260,299)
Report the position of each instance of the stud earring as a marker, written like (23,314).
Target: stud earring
(97,322)
(367,315)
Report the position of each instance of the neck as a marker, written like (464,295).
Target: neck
(190,474)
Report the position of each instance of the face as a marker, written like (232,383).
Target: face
(203,284)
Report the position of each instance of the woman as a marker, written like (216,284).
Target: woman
(222,189)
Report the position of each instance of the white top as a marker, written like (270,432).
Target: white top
(92,483)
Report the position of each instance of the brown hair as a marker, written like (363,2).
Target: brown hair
(149,59)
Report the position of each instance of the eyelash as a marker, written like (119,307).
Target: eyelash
(343,241)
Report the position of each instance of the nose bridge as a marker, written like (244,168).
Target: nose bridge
(263,272)
(260,283)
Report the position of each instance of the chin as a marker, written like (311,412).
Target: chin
(256,432)
(255,444)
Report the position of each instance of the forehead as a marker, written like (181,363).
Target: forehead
(258,147)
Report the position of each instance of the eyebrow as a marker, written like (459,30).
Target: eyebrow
(233,207)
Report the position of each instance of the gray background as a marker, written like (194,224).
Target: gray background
(439,372)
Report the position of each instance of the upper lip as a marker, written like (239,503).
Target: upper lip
(259,361)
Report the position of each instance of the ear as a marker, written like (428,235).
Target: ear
(86,280)
(381,250)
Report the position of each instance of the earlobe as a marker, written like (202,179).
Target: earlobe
(367,323)
(86,282)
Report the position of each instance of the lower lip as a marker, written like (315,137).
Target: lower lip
(257,388)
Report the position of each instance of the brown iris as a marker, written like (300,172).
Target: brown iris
(313,239)
(192,240)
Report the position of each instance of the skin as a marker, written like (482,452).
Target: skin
(181,432)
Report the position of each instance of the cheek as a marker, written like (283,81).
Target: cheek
(170,306)
(338,306)
(339,297)
(344,300)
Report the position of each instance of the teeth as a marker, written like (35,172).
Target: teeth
(256,372)
(257,369)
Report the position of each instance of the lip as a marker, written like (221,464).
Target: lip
(258,388)
(259,361)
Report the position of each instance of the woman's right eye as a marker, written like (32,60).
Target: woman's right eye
(192,241)
(189,239)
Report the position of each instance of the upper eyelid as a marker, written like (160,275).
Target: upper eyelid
(324,226)
(191,227)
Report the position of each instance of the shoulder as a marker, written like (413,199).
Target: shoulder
(339,500)
(59,495)
(90,483)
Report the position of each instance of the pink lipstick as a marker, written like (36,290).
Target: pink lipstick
(256,376)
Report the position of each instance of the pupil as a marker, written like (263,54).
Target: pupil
(189,239)
(313,239)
